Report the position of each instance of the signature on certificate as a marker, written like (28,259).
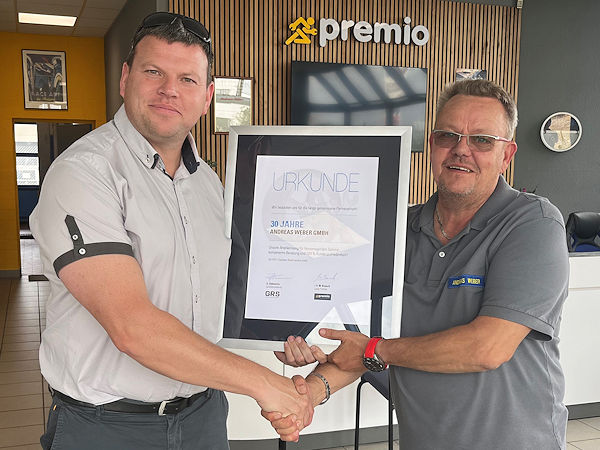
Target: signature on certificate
(326,277)
(276,276)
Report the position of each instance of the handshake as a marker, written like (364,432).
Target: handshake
(289,405)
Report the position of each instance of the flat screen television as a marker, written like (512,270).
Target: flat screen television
(352,94)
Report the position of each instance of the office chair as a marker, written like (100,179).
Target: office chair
(381,382)
(582,232)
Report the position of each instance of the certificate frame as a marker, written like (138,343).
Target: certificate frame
(392,145)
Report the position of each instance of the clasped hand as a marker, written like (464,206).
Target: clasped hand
(289,400)
(297,353)
(289,427)
(348,355)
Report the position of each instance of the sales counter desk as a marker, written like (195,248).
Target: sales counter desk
(580,336)
(333,423)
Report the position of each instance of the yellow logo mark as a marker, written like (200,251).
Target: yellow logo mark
(301,27)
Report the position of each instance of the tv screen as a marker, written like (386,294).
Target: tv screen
(351,94)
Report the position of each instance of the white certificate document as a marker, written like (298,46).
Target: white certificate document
(311,245)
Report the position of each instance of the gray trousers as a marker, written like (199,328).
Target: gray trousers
(201,426)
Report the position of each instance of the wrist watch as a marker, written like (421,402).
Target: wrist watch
(371,361)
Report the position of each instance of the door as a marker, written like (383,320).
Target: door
(36,146)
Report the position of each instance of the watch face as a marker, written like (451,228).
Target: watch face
(373,364)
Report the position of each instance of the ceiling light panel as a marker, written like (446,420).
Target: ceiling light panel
(47,19)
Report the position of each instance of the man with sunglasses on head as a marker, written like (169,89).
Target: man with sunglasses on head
(486,275)
(131,229)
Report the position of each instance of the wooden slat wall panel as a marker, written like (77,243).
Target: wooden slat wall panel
(249,37)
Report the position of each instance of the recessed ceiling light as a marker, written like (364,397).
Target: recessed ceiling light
(47,19)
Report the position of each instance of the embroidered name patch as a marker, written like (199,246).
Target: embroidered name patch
(466,280)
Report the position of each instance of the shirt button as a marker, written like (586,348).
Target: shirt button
(193,260)
(185,219)
(442,254)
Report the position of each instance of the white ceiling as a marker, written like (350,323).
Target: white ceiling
(94,17)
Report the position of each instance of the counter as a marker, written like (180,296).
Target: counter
(580,331)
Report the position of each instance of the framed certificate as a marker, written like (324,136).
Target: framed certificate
(317,218)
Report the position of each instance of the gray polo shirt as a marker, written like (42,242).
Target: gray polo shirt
(510,262)
(109,194)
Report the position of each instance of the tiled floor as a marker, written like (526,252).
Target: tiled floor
(24,397)
(22,391)
(30,257)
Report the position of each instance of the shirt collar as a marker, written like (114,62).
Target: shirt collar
(145,152)
(503,194)
(189,154)
(500,198)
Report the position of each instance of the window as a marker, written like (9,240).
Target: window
(28,162)
(233,103)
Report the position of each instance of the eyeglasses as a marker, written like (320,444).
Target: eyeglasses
(167,18)
(479,142)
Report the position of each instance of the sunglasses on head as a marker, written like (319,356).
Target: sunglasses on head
(167,18)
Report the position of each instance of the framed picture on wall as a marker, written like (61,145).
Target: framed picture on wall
(471,74)
(44,79)
(233,103)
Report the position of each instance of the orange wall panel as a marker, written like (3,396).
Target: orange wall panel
(86,101)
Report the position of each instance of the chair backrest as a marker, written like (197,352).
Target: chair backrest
(583,232)
(380,381)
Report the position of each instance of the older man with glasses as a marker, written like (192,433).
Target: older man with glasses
(486,275)
(131,229)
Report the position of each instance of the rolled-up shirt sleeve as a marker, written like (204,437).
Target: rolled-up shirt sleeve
(528,277)
(80,212)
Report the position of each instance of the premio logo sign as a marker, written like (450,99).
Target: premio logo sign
(330,29)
